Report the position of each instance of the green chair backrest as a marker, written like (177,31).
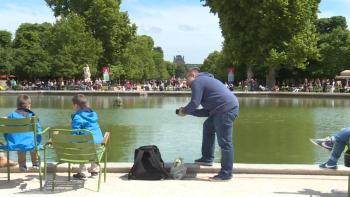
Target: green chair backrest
(19,125)
(73,148)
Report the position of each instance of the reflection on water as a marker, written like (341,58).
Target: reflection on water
(268,130)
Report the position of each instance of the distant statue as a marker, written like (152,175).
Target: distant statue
(118,102)
(87,73)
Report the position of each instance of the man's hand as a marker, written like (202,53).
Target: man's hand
(181,113)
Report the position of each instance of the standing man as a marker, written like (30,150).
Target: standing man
(221,106)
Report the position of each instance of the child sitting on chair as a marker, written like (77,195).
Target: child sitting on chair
(24,142)
(85,118)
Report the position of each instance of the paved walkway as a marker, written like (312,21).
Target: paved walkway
(242,185)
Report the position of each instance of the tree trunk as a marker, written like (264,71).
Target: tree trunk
(271,78)
(250,73)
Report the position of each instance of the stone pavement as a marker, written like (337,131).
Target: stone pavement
(250,180)
(242,185)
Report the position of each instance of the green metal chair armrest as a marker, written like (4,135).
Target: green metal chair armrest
(44,131)
(106,138)
(48,143)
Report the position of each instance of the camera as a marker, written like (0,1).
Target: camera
(177,111)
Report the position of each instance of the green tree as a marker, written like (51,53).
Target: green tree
(5,39)
(138,59)
(6,53)
(161,66)
(217,64)
(327,25)
(106,22)
(73,46)
(269,34)
(180,70)
(334,46)
(30,49)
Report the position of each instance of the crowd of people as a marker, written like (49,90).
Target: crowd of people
(120,85)
(313,85)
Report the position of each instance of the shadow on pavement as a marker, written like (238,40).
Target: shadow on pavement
(311,192)
(4,184)
(61,185)
(188,177)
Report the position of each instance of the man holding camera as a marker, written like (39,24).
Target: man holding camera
(221,107)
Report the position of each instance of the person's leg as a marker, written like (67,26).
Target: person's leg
(327,143)
(208,140)
(337,150)
(94,169)
(35,159)
(22,160)
(3,161)
(82,170)
(343,135)
(338,142)
(224,127)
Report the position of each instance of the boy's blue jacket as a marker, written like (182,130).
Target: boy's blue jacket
(22,141)
(87,119)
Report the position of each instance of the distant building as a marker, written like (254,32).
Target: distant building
(178,59)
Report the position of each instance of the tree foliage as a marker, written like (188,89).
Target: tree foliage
(106,22)
(216,63)
(73,46)
(30,49)
(268,33)
(6,53)
(334,46)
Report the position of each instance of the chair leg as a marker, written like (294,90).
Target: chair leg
(45,166)
(99,178)
(8,166)
(105,167)
(54,178)
(40,175)
(69,171)
(349,187)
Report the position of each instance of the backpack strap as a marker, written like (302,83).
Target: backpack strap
(157,164)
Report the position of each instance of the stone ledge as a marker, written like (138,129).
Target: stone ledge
(289,169)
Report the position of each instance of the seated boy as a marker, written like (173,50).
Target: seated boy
(24,142)
(85,118)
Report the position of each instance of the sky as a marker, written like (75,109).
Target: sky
(180,27)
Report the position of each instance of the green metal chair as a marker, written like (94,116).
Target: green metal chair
(77,149)
(21,125)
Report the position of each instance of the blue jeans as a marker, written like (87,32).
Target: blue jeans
(341,140)
(222,125)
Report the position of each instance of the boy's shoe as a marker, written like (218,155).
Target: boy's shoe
(79,176)
(23,168)
(326,143)
(328,166)
(203,162)
(220,178)
(35,167)
(93,174)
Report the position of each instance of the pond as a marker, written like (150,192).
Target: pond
(268,130)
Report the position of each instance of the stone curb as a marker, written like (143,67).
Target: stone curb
(289,169)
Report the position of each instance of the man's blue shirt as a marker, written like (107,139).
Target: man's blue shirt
(212,94)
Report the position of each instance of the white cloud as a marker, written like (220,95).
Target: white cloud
(12,15)
(187,30)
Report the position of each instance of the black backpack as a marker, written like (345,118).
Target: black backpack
(148,164)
